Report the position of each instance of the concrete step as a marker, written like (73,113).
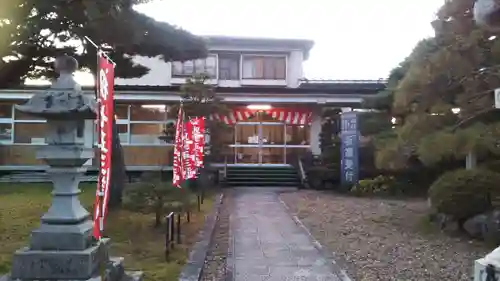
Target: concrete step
(264,183)
(262,176)
(271,179)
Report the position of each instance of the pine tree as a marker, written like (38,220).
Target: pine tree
(34,32)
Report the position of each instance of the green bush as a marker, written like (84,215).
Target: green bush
(383,185)
(319,177)
(156,197)
(380,185)
(464,193)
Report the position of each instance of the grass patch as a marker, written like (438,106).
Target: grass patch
(132,235)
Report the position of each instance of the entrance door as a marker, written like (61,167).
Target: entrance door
(259,142)
(247,143)
(272,142)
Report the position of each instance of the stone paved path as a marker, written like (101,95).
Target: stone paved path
(268,244)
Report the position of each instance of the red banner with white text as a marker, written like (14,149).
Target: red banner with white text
(189,154)
(199,140)
(189,148)
(105,86)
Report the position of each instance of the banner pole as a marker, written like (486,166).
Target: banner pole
(99,143)
(99,49)
(98,128)
(183,154)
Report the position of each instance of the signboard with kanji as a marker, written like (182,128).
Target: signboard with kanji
(349,135)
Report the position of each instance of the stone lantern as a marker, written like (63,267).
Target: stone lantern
(62,247)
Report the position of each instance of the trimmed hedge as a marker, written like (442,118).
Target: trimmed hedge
(465,193)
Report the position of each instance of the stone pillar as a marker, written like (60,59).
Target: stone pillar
(62,247)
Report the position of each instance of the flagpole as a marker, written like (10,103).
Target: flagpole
(183,130)
(178,168)
(99,49)
(100,192)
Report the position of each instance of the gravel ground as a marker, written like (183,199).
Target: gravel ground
(215,264)
(382,239)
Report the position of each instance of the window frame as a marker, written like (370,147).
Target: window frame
(11,122)
(16,122)
(195,72)
(245,57)
(237,58)
(128,122)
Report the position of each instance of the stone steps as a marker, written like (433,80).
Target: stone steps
(262,176)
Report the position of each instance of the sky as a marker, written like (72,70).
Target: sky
(362,39)
(354,39)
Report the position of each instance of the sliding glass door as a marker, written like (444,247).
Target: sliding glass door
(264,140)
(259,143)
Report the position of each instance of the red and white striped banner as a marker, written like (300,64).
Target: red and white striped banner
(291,116)
(287,115)
(236,115)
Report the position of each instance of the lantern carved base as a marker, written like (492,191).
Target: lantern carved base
(90,264)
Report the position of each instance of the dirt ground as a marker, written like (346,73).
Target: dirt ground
(383,239)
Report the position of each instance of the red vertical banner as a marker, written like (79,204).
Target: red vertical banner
(189,151)
(105,87)
(199,140)
(178,171)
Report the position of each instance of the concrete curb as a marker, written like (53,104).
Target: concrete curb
(341,273)
(193,269)
(230,248)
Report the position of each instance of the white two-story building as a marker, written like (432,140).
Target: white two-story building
(274,111)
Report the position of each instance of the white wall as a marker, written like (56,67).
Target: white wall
(159,75)
(315,131)
(161,72)
(295,69)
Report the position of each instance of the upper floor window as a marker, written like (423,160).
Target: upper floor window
(207,66)
(264,67)
(229,67)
